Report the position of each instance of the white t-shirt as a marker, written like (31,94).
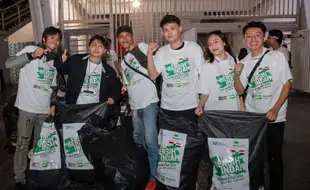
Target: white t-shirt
(112,58)
(267,82)
(141,91)
(217,81)
(91,84)
(285,52)
(35,81)
(180,70)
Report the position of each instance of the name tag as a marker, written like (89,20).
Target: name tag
(88,92)
(229,97)
(176,85)
(40,88)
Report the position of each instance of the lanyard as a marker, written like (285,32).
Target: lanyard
(89,73)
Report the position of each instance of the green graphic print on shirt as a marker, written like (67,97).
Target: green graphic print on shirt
(94,80)
(179,70)
(45,76)
(225,82)
(261,80)
(129,73)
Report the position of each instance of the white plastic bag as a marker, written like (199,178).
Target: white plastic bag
(171,147)
(230,158)
(46,154)
(75,157)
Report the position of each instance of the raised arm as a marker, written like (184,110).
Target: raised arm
(24,57)
(151,68)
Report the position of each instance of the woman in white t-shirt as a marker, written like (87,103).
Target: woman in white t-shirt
(216,82)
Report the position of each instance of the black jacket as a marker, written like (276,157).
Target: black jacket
(75,67)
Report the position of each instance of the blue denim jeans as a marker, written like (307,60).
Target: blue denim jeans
(145,133)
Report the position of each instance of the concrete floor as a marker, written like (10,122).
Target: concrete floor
(296,145)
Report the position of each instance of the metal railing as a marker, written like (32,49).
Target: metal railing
(14,15)
(86,14)
(95,10)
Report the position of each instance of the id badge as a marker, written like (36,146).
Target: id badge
(88,92)
(40,88)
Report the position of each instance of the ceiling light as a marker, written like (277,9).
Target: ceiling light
(136,3)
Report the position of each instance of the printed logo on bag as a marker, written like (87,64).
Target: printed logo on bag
(237,144)
(72,146)
(230,162)
(178,70)
(44,165)
(228,167)
(261,80)
(79,164)
(47,143)
(75,157)
(46,154)
(170,156)
(170,153)
(218,143)
(226,81)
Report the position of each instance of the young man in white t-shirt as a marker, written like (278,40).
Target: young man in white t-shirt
(37,75)
(274,40)
(179,63)
(267,93)
(142,94)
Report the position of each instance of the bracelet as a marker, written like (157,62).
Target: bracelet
(236,77)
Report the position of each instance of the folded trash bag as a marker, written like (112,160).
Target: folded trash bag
(236,143)
(118,162)
(70,118)
(181,145)
(46,169)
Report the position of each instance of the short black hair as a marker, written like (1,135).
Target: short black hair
(254,24)
(51,31)
(169,19)
(278,34)
(100,39)
(124,28)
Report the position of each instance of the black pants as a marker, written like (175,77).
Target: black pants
(275,133)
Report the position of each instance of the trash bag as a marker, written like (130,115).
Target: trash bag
(69,119)
(120,164)
(46,170)
(168,174)
(236,143)
(10,118)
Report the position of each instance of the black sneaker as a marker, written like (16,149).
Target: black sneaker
(20,186)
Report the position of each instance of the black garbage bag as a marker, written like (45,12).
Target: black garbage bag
(236,143)
(181,146)
(10,118)
(46,169)
(119,163)
(69,119)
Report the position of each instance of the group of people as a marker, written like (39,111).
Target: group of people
(190,85)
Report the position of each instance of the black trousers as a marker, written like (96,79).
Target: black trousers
(275,133)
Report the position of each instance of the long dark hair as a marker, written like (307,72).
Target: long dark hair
(227,47)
